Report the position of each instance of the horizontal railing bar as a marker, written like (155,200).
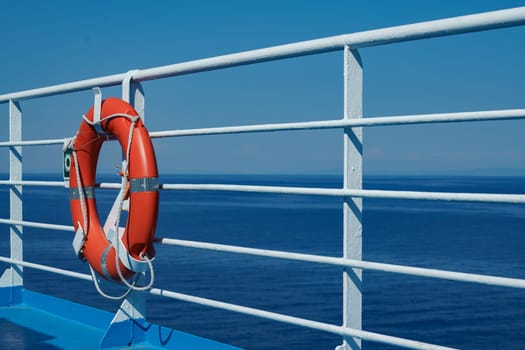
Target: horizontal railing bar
(326,327)
(32,143)
(109,80)
(429,29)
(108,185)
(33,183)
(37,225)
(338,192)
(359,264)
(424,272)
(315,191)
(344,123)
(415,31)
(508,114)
(47,268)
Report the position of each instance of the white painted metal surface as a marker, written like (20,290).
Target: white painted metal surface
(15,192)
(337,192)
(352,206)
(134,306)
(330,328)
(315,191)
(351,192)
(37,225)
(510,114)
(342,123)
(344,262)
(417,31)
(20,263)
(350,263)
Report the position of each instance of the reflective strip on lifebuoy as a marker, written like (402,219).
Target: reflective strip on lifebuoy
(143,194)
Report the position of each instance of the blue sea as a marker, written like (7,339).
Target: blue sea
(466,237)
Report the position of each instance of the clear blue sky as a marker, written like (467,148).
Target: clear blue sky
(51,42)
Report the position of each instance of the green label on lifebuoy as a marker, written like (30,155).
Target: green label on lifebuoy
(67,162)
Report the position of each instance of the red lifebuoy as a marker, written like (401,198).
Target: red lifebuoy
(143,190)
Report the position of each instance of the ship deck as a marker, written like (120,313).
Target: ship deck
(48,323)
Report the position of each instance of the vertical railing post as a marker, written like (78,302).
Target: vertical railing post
(129,323)
(15,193)
(133,93)
(352,207)
(13,277)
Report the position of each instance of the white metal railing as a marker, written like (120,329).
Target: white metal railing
(508,114)
(313,191)
(351,192)
(430,29)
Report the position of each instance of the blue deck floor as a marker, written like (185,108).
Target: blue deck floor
(25,327)
(47,323)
